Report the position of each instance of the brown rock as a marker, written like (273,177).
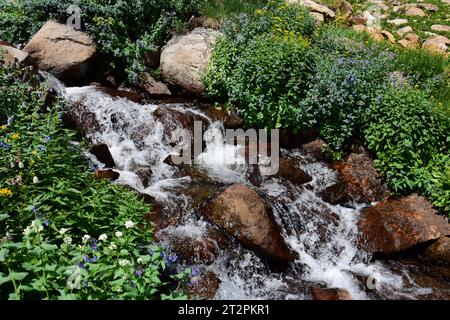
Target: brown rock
(404,30)
(203,21)
(440,28)
(318,149)
(318,17)
(439,251)
(200,250)
(335,193)
(242,213)
(63,51)
(396,225)
(415,12)
(11,55)
(101,152)
(204,286)
(290,171)
(413,38)
(153,87)
(362,181)
(359,27)
(437,44)
(185,58)
(313,6)
(428,7)
(389,36)
(330,294)
(107,174)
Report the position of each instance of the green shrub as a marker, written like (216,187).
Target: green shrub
(342,88)
(123,30)
(409,134)
(49,201)
(262,65)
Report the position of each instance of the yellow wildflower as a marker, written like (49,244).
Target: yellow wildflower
(32,162)
(4,126)
(15,136)
(34,152)
(5,192)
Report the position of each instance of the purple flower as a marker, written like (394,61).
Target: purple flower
(4,145)
(10,120)
(139,272)
(195,271)
(47,139)
(42,148)
(173,258)
(46,222)
(81,265)
(351,79)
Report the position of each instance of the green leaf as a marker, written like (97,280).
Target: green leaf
(4,216)
(19,276)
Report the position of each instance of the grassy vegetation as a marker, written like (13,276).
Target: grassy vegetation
(227,8)
(345,84)
(64,234)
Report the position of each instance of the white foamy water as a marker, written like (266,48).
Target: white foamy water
(323,235)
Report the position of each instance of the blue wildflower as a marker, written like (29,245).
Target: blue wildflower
(351,79)
(46,222)
(4,145)
(139,272)
(47,139)
(10,120)
(173,258)
(195,271)
(81,265)
(42,148)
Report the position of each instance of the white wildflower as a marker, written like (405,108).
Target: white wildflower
(67,240)
(119,234)
(21,165)
(129,224)
(112,246)
(35,180)
(27,231)
(124,262)
(63,231)
(103,237)
(86,237)
(139,260)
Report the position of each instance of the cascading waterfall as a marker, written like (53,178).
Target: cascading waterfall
(322,234)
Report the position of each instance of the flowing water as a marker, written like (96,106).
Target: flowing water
(322,234)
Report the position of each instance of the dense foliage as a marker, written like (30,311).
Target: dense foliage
(64,234)
(280,73)
(123,30)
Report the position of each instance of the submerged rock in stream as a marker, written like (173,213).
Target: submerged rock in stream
(242,212)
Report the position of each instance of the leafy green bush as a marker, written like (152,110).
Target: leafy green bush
(123,30)
(58,224)
(410,136)
(261,65)
(341,90)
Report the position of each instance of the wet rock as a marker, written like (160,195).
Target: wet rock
(173,119)
(362,181)
(318,149)
(440,28)
(398,22)
(415,12)
(439,251)
(204,286)
(229,117)
(437,44)
(313,6)
(118,93)
(330,294)
(153,87)
(290,171)
(335,193)
(102,153)
(242,213)
(396,225)
(204,249)
(185,58)
(107,174)
(145,175)
(404,30)
(10,55)
(63,51)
